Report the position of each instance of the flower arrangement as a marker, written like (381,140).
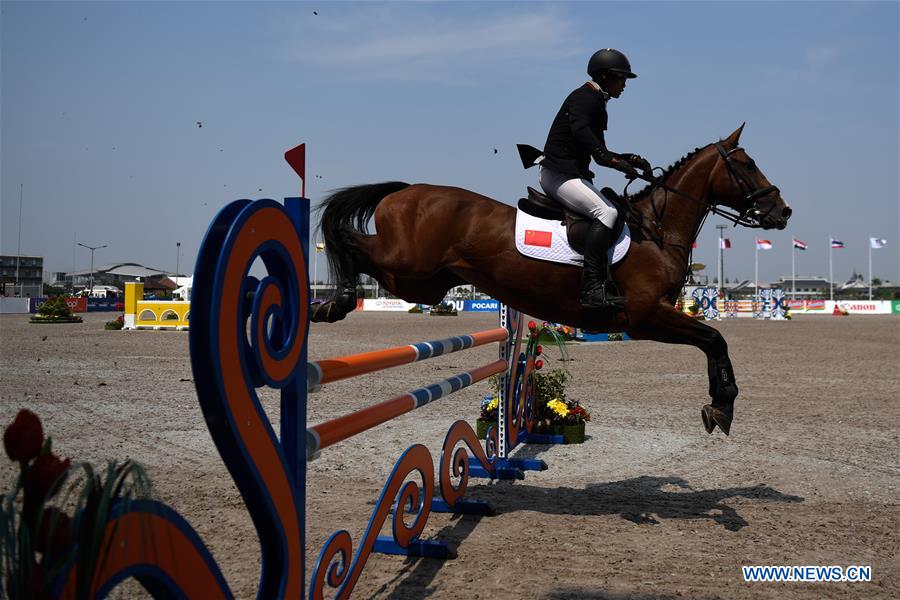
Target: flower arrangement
(115,325)
(444,309)
(552,332)
(416,310)
(55,310)
(42,530)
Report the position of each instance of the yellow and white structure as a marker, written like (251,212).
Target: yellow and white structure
(154,314)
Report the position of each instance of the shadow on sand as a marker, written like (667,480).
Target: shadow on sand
(642,500)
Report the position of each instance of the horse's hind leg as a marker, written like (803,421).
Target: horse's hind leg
(674,327)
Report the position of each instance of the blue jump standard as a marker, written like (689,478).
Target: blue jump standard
(417,547)
(513,468)
(463,507)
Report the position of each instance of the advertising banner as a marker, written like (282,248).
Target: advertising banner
(814,305)
(481,305)
(895,306)
(387,304)
(77,305)
(103,304)
(866,307)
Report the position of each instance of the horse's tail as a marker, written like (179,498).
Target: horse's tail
(345,215)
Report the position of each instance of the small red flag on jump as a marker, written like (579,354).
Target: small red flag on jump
(296,157)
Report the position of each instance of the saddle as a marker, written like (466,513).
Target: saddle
(543,207)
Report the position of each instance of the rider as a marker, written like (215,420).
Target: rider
(575,137)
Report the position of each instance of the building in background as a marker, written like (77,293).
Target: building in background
(30,275)
(115,274)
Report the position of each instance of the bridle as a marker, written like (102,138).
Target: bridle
(751,216)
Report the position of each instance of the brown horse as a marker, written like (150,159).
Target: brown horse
(432,238)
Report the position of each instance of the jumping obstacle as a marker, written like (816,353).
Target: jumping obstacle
(156,546)
(154,314)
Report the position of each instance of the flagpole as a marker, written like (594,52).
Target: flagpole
(315,268)
(830,270)
(870,268)
(793,272)
(756,273)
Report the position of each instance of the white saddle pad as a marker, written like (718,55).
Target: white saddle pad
(545,239)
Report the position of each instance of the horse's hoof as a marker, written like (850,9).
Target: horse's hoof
(712,416)
(708,422)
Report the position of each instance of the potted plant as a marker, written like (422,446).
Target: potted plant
(115,325)
(488,417)
(55,310)
(444,309)
(44,530)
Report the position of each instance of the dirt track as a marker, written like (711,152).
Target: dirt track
(649,507)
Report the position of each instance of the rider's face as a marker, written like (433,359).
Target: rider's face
(615,85)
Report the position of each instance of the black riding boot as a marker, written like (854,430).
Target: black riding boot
(594,278)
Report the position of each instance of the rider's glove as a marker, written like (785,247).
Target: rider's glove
(625,167)
(639,162)
(614,161)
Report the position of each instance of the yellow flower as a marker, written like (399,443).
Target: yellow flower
(494,403)
(558,407)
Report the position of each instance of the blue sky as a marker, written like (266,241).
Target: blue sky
(100,103)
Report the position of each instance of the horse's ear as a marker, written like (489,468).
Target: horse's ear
(732,140)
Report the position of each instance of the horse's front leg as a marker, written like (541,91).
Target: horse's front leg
(674,327)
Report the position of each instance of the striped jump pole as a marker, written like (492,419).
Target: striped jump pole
(331,432)
(334,369)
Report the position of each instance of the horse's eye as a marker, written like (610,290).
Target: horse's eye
(751,165)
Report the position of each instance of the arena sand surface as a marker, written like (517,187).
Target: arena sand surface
(650,506)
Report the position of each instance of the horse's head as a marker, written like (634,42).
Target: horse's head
(736,182)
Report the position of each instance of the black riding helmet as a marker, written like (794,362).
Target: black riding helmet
(611,60)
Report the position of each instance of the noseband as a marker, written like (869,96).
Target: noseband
(751,216)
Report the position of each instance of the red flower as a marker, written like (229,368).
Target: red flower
(39,477)
(540,349)
(532,325)
(24,436)
(54,532)
(538,364)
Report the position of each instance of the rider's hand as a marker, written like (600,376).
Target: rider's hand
(639,162)
(625,167)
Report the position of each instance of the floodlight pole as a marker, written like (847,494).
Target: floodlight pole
(91,248)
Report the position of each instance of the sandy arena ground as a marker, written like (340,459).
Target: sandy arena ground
(649,507)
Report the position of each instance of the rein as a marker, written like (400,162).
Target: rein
(750,217)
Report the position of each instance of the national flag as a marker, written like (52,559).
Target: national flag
(836,243)
(693,244)
(543,239)
(877,243)
(724,243)
(798,244)
(763,245)
(320,246)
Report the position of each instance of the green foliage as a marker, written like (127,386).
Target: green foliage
(444,309)
(416,310)
(115,325)
(55,307)
(55,310)
(43,531)
(54,290)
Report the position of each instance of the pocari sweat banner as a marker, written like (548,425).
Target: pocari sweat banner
(480,305)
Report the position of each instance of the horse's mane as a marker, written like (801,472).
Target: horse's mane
(669,170)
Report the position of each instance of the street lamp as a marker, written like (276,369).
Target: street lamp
(92,248)
(177,261)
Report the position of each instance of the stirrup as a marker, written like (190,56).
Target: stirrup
(599,298)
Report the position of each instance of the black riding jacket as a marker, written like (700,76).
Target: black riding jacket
(577,132)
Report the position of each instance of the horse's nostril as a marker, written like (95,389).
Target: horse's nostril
(786,213)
